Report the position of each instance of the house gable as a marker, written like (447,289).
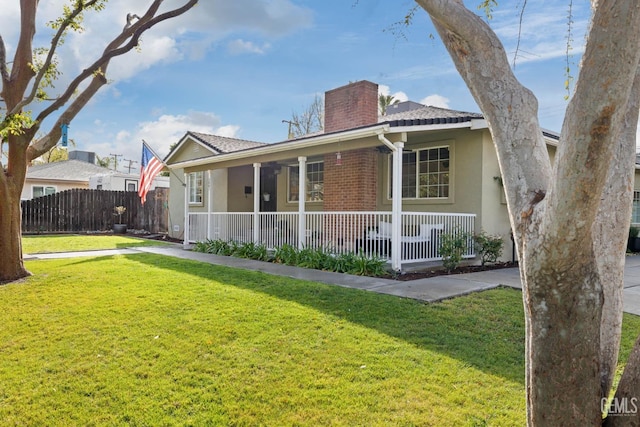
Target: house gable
(195,145)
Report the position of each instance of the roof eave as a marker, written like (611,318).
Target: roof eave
(472,124)
(286,146)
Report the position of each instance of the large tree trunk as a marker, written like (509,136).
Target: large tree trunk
(571,244)
(11,264)
(11,184)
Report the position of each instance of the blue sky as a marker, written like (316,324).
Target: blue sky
(238,68)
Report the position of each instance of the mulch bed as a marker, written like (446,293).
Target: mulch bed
(439,271)
(160,237)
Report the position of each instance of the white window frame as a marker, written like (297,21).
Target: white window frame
(196,188)
(635,210)
(416,152)
(308,191)
(44,190)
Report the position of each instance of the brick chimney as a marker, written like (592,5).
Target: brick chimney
(351,185)
(351,106)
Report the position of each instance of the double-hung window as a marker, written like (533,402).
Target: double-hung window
(196,188)
(425,173)
(314,182)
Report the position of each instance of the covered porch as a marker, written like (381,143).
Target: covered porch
(340,201)
(338,232)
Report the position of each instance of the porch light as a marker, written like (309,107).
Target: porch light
(338,159)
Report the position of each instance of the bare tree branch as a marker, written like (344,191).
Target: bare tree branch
(98,71)
(55,41)
(21,72)
(4,72)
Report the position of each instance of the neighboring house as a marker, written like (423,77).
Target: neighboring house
(442,162)
(50,178)
(124,182)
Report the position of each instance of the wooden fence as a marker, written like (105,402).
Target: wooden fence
(81,210)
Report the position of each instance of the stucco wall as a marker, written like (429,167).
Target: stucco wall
(240,177)
(176,204)
(465,149)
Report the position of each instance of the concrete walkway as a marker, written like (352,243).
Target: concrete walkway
(431,289)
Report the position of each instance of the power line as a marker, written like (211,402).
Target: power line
(130,166)
(115,160)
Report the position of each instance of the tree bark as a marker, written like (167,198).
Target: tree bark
(561,217)
(11,183)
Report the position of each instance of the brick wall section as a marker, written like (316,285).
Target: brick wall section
(351,186)
(351,106)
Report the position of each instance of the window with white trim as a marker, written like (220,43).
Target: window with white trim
(425,173)
(196,188)
(39,190)
(635,212)
(314,182)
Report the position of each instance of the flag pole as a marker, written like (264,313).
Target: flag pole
(163,163)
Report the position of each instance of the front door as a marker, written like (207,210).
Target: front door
(268,189)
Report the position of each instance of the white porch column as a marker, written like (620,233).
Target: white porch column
(209,194)
(256,202)
(396,208)
(302,196)
(185,242)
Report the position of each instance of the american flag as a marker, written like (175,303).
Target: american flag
(151,166)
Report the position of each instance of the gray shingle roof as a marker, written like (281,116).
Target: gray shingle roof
(223,144)
(427,115)
(67,170)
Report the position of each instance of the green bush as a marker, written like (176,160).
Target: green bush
(489,247)
(286,254)
(363,265)
(318,259)
(452,246)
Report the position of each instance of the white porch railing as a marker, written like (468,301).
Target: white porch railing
(340,232)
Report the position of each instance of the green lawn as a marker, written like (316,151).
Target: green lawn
(75,242)
(151,340)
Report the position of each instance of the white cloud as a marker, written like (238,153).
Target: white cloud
(271,18)
(153,51)
(239,46)
(386,91)
(159,134)
(435,100)
(169,41)
(168,129)
(230,131)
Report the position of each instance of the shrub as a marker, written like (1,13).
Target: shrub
(363,265)
(489,247)
(319,259)
(286,254)
(452,246)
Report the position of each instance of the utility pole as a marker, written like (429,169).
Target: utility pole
(290,136)
(115,160)
(130,166)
